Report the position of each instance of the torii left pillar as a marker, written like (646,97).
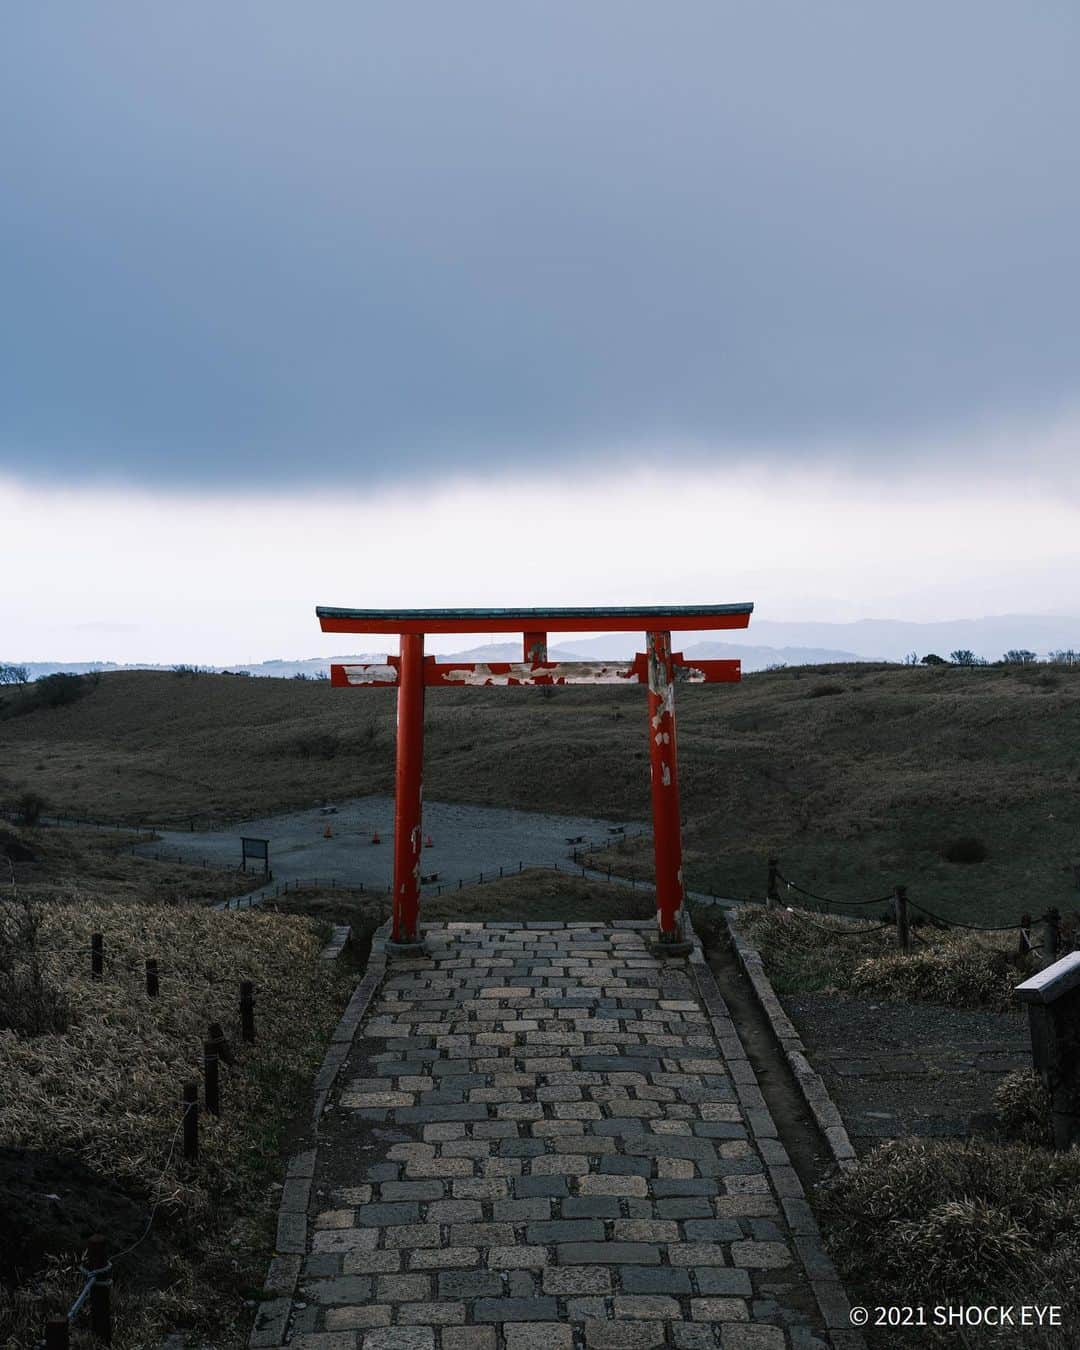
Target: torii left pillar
(408,799)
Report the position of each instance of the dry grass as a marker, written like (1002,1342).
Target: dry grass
(806,952)
(97,860)
(533,895)
(969,1223)
(105,1096)
(854,792)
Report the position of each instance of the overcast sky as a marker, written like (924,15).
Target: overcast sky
(304,303)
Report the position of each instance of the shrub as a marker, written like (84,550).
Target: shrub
(958,973)
(1023,1108)
(965,850)
(54,691)
(824,690)
(29,807)
(51,691)
(958,1218)
(317,745)
(932,659)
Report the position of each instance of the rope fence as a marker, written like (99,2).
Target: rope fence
(899,915)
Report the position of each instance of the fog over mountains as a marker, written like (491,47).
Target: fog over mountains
(767,642)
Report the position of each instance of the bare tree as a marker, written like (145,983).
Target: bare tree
(14,674)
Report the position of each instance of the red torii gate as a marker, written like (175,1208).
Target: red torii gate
(410,673)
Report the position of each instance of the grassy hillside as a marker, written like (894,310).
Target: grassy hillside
(857,777)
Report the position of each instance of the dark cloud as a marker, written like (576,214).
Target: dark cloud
(289,243)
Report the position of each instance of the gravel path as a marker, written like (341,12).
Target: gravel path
(465,841)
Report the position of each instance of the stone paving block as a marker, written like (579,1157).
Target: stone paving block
(612,1185)
(517,1258)
(431,1314)
(400,1338)
(402,1288)
(577,1280)
(598,1253)
(760,1255)
(341,1289)
(650,1306)
(537,1336)
(325,1340)
(481,1234)
(515,1310)
(693,1336)
(726,1283)
(468,1338)
(654,1280)
(565,1230)
(697,1254)
(334,1218)
(369,1315)
(370,1263)
(740,1336)
(469,1284)
(646,1230)
(344,1240)
(622,1335)
(591,1207)
(440,1258)
(719,1310)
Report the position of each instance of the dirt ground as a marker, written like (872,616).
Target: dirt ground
(909,1068)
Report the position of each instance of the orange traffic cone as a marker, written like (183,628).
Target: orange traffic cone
(375,838)
(328,833)
(427,841)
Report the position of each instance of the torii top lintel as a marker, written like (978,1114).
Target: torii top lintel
(620,619)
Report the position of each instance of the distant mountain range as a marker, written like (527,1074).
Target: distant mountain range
(767,642)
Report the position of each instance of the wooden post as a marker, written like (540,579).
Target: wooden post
(1051,935)
(1053,1003)
(57,1334)
(191,1121)
(772,891)
(151,977)
(247,1011)
(216,1033)
(97,955)
(903,928)
(211,1084)
(100,1291)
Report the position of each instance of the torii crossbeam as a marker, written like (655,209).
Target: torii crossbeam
(658,667)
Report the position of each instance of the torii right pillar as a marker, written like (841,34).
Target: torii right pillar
(664,775)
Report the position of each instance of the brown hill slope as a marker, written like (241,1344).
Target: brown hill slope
(856,776)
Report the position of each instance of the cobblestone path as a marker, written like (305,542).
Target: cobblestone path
(545,1139)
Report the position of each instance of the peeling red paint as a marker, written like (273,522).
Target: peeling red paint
(667,830)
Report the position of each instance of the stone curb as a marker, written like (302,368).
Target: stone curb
(272,1316)
(811,1084)
(828,1290)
